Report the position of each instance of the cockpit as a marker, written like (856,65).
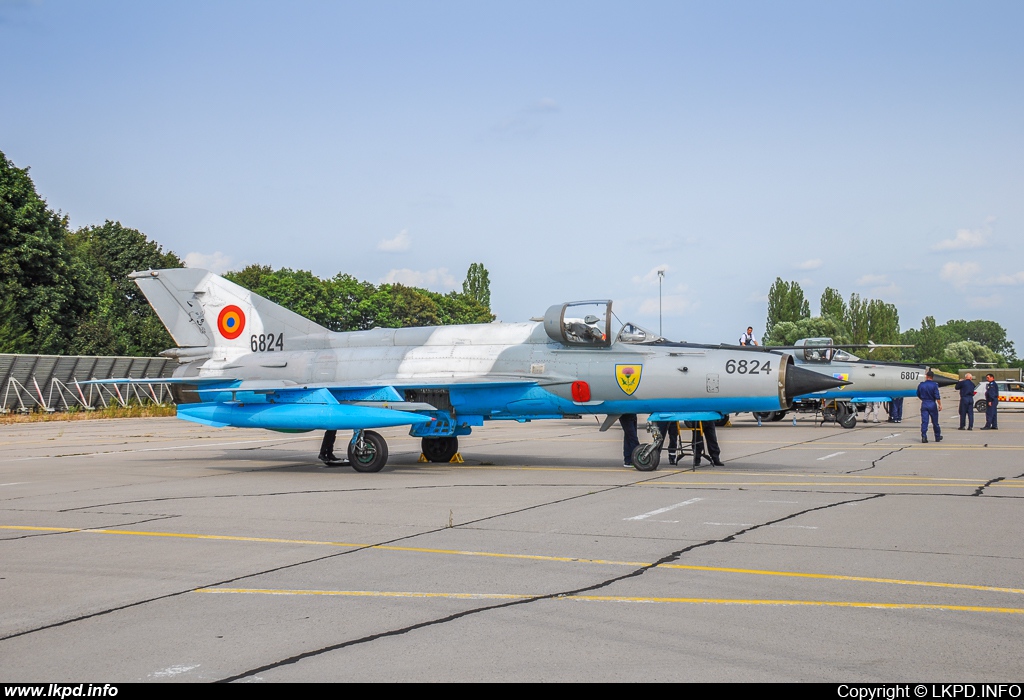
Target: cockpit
(822,351)
(589,323)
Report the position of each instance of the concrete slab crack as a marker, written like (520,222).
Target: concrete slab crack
(674,556)
(987,484)
(874,463)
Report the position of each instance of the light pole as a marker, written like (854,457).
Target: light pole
(661,276)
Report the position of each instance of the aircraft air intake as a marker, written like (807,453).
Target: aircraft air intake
(800,381)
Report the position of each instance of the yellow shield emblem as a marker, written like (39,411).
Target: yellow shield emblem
(628,377)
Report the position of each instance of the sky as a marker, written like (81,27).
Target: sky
(573,148)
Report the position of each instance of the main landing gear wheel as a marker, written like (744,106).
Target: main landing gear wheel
(778,415)
(368,452)
(645,458)
(764,415)
(721,422)
(847,416)
(440,449)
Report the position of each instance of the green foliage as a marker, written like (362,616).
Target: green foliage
(39,280)
(932,341)
(344,303)
(832,304)
(967,352)
(478,285)
(119,320)
(788,332)
(786,302)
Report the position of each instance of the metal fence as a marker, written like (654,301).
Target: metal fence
(51,382)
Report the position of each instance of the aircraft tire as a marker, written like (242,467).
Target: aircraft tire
(765,415)
(980,406)
(375,455)
(440,449)
(646,459)
(848,417)
(778,415)
(721,422)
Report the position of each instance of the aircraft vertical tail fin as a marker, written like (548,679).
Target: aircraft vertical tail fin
(201,309)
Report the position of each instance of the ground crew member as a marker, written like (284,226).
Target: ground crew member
(629,439)
(705,430)
(931,404)
(748,337)
(966,388)
(327,450)
(671,430)
(896,410)
(991,402)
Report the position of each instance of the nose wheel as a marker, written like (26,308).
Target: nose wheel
(368,451)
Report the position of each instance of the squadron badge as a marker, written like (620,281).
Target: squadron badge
(231,322)
(628,377)
(843,376)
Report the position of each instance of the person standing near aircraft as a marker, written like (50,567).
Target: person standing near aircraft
(874,408)
(748,337)
(705,431)
(671,429)
(931,404)
(966,388)
(991,402)
(896,410)
(629,439)
(327,450)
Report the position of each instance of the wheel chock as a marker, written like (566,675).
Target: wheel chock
(456,459)
(728,423)
(423,458)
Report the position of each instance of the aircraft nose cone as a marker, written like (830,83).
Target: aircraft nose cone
(800,381)
(944,381)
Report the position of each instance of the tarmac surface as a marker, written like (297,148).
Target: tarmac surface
(159,550)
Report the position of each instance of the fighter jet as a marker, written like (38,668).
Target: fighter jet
(247,362)
(870,381)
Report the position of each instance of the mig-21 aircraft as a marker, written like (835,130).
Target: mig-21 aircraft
(870,380)
(247,362)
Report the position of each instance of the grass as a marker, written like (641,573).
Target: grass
(77,413)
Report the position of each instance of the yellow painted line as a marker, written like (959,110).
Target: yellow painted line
(622,599)
(844,476)
(534,557)
(862,484)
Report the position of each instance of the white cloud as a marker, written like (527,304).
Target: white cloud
(437,278)
(960,274)
(759,297)
(810,264)
(651,278)
(988,302)
(872,280)
(214,262)
(398,244)
(671,305)
(1014,279)
(964,239)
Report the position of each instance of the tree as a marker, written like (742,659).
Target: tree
(832,304)
(478,285)
(788,332)
(37,272)
(968,352)
(785,303)
(120,320)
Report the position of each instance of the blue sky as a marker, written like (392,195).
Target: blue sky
(571,147)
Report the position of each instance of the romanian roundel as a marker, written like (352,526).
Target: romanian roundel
(231,322)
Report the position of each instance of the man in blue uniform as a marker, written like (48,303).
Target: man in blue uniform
(931,404)
(896,410)
(991,402)
(630,441)
(966,388)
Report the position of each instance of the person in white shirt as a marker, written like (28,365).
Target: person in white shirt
(748,337)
